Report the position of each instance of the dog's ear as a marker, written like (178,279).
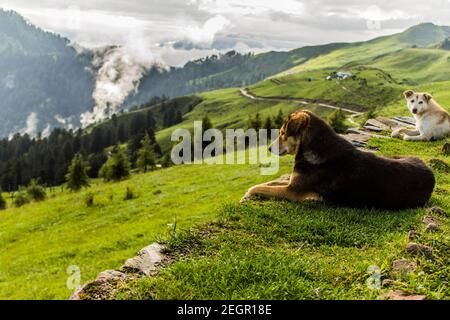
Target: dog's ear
(297,122)
(408,93)
(427,97)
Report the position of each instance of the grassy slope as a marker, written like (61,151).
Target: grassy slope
(228,109)
(371,88)
(39,241)
(280,250)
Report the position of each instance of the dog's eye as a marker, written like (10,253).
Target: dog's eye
(421,102)
(412,101)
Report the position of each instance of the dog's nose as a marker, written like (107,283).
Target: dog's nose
(414,111)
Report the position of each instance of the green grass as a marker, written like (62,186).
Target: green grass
(281,250)
(370,88)
(228,109)
(40,240)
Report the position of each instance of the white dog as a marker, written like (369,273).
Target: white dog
(432,121)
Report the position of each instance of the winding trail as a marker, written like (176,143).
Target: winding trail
(353,113)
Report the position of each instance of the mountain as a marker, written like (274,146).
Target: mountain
(46,82)
(43,81)
(221,71)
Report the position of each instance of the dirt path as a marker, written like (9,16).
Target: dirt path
(353,114)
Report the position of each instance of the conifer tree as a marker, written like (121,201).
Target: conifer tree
(117,167)
(146,157)
(76,176)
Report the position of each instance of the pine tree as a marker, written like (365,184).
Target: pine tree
(268,123)
(279,120)
(117,167)
(76,176)
(2,201)
(146,157)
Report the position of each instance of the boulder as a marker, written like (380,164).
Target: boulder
(430,219)
(377,124)
(402,295)
(432,227)
(404,266)
(147,261)
(407,120)
(437,211)
(415,248)
(100,288)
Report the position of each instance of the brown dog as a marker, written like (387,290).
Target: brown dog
(329,168)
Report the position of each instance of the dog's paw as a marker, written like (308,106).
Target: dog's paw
(246,198)
(396,134)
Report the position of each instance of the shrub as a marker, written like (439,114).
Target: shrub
(337,121)
(36,191)
(89,200)
(2,201)
(117,167)
(21,198)
(129,194)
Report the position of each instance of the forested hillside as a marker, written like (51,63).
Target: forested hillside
(24,158)
(42,78)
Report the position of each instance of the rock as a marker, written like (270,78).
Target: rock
(430,219)
(392,124)
(373,128)
(387,282)
(377,124)
(404,266)
(412,235)
(415,248)
(101,288)
(446,148)
(402,295)
(146,261)
(358,140)
(437,211)
(432,227)
(407,120)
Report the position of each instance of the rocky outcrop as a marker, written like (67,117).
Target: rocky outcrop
(144,264)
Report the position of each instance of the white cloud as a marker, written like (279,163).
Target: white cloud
(31,125)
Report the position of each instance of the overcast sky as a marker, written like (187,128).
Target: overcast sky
(175,31)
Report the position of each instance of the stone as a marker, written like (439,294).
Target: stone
(402,295)
(147,261)
(373,128)
(415,248)
(432,227)
(101,288)
(388,122)
(377,124)
(446,148)
(387,282)
(407,120)
(412,235)
(437,211)
(404,266)
(430,219)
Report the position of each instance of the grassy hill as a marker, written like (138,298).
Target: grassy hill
(261,250)
(41,240)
